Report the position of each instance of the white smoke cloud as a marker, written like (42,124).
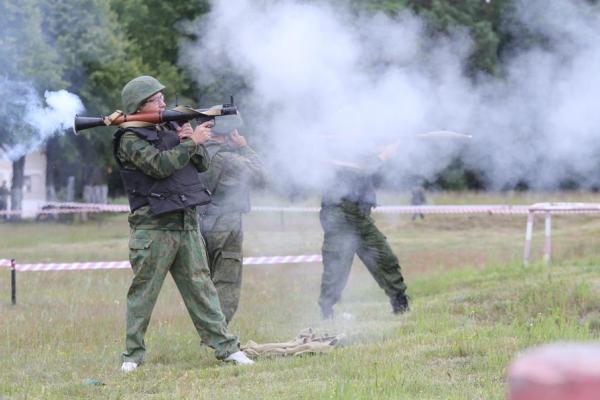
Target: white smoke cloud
(57,116)
(31,122)
(539,124)
(370,80)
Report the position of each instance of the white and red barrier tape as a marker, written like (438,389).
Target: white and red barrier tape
(547,208)
(559,208)
(468,209)
(125,264)
(90,206)
(69,208)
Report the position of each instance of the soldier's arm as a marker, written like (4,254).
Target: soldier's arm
(152,161)
(253,165)
(200,159)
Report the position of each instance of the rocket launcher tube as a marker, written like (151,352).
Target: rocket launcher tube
(178,114)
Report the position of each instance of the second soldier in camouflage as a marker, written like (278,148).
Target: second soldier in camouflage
(234,168)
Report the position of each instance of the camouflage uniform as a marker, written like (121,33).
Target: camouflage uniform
(169,243)
(231,173)
(349,229)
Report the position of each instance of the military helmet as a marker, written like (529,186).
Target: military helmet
(138,90)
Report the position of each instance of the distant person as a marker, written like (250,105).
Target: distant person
(234,168)
(159,166)
(4,195)
(349,229)
(417,198)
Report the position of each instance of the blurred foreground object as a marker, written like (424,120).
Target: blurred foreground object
(560,371)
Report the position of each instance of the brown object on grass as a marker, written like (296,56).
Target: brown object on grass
(306,342)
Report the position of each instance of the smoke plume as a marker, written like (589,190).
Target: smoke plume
(28,123)
(323,84)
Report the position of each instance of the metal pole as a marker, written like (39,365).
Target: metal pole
(528,236)
(13,281)
(548,238)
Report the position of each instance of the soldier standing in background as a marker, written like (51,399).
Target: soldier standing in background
(349,229)
(234,168)
(159,166)
(4,194)
(417,198)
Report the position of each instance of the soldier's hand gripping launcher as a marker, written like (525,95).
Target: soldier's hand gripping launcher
(225,117)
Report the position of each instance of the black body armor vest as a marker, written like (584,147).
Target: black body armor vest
(180,190)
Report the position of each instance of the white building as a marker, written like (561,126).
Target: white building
(34,187)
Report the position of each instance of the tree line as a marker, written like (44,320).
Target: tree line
(91,47)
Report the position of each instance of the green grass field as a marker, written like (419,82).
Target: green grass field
(474,307)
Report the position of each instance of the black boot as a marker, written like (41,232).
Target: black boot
(400,303)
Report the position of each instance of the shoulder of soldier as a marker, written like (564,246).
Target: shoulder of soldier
(128,137)
(131,136)
(130,142)
(223,156)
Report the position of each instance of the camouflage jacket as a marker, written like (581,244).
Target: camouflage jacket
(138,153)
(231,174)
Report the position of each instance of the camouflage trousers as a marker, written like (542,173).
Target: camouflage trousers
(349,229)
(152,254)
(223,236)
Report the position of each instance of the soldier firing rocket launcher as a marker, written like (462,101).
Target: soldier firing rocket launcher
(226,117)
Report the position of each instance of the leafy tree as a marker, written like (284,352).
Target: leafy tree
(28,63)
(485,23)
(481,18)
(94,63)
(101,45)
(153,30)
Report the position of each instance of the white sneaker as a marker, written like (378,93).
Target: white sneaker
(128,366)
(239,358)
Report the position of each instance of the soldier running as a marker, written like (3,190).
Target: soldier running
(349,229)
